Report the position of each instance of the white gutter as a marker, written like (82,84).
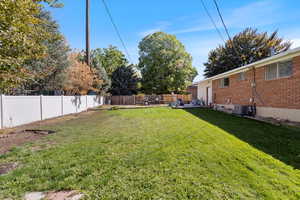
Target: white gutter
(279,57)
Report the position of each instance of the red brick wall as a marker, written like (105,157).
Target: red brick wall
(238,92)
(280,93)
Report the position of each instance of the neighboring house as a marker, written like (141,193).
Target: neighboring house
(205,91)
(192,89)
(272,84)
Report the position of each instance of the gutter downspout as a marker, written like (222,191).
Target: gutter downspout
(254,92)
(253,86)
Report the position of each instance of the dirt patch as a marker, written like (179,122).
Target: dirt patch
(46,122)
(12,137)
(40,132)
(7,141)
(7,167)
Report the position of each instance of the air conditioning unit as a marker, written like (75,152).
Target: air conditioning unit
(241,109)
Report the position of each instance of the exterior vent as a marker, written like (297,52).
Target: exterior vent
(241,109)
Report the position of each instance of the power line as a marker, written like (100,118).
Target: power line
(116,29)
(220,15)
(212,20)
(227,32)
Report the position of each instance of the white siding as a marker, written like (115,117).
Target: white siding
(202,91)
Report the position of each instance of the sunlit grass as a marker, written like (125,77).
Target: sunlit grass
(159,153)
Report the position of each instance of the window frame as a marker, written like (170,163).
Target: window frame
(222,83)
(239,78)
(277,70)
(267,69)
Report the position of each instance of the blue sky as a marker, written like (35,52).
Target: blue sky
(186,19)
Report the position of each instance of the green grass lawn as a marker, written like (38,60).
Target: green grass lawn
(160,153)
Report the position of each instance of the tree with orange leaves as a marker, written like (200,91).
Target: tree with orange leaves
(80,78)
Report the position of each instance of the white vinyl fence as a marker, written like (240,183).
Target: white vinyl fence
(18,110)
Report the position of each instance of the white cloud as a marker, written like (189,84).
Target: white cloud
(296,43)
(159,26)
(192,29)
(251,15)
(255,14)
(148,32)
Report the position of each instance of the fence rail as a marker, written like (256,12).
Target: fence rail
(19,110)
(150,99)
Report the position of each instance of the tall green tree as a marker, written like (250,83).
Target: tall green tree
(102,75)
(164,63)
(124,81)
(246,47)
(21,39)
(47,72)
(109,58)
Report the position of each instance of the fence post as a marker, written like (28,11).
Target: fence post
(2,112)
(76,102)
(41,106)
(86,102)
(62,105)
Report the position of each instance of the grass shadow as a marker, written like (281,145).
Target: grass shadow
(281,142)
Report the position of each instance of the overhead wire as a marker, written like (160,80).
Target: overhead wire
(220,15)
(226,30)
(213,21)
(116,29)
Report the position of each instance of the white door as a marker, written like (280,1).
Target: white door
(209,95)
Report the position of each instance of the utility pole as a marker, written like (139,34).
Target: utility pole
(87,33)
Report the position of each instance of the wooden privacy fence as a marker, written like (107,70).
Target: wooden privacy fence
(168,98)
(123,100)
(149,99)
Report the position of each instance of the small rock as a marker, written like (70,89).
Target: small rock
(34,196)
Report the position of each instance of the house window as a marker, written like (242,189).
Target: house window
(271,72)
(224,82)
(242,76)
(279,70)
(285,69)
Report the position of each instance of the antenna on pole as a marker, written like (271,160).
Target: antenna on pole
(87,32)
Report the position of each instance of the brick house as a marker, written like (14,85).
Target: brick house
(192,89)
(272,84)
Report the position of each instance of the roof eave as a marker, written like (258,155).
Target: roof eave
(279,57)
